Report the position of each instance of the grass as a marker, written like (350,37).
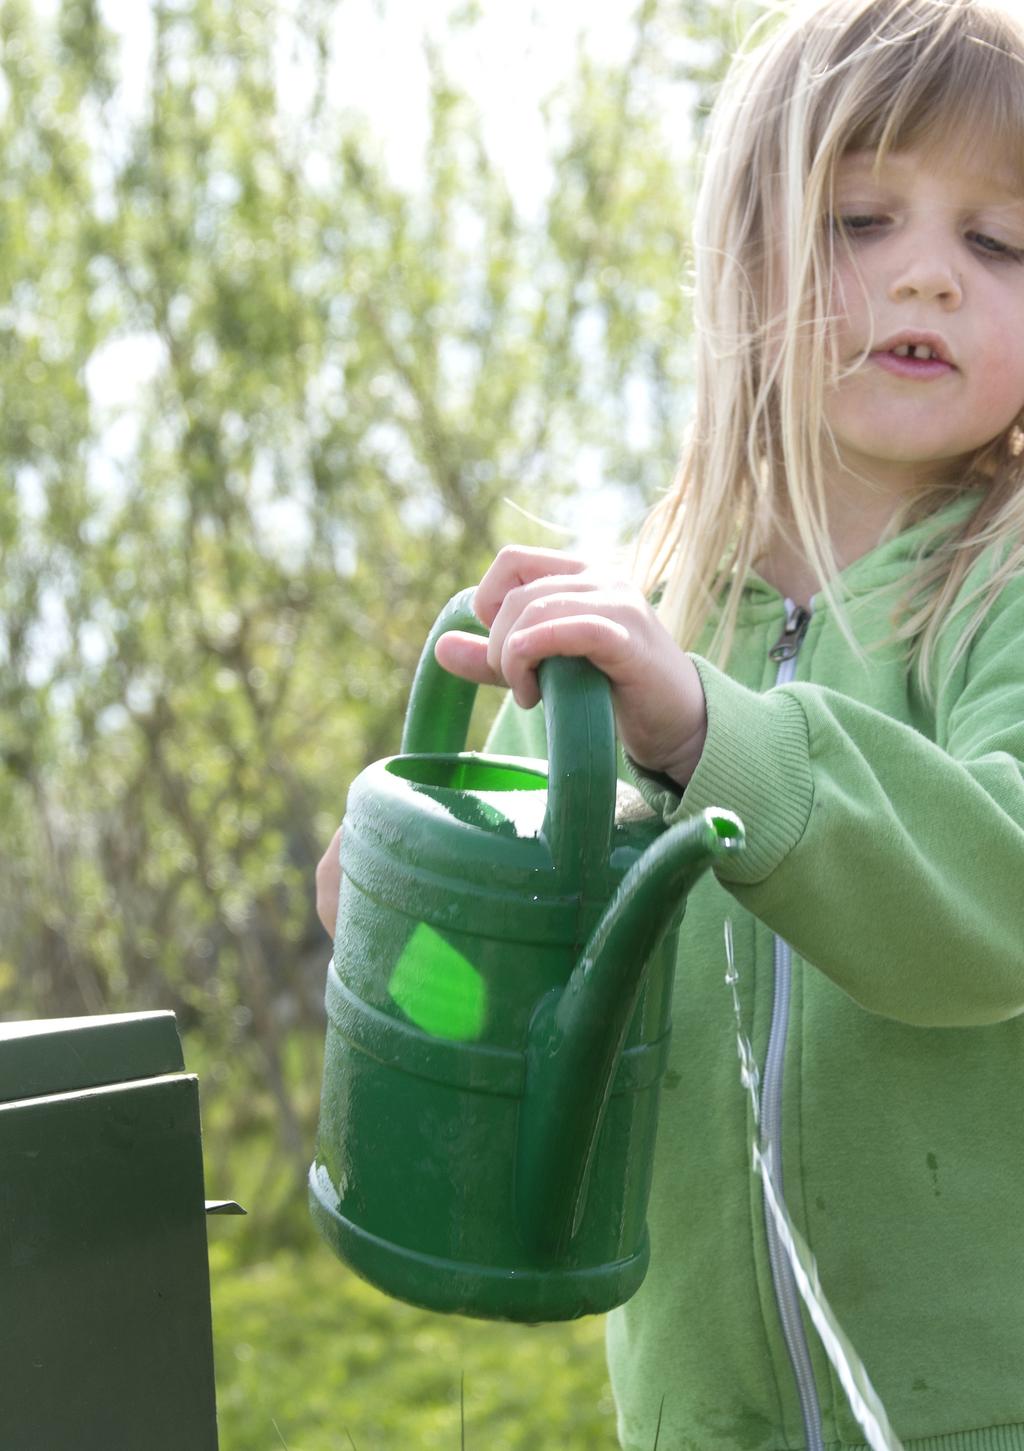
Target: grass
(310,1358)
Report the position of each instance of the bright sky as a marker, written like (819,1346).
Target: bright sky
(509,61)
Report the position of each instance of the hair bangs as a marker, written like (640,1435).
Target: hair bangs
(935,76)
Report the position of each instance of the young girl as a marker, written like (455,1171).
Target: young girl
(837,655)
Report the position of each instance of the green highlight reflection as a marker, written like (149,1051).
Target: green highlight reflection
(437,988)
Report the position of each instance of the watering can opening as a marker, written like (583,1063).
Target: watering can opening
(505,799)
(463,773)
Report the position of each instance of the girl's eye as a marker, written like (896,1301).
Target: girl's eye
(992,247)
(852,224)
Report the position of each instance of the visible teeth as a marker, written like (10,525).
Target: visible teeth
(920,350)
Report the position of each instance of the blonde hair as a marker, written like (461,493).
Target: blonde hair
(842,75)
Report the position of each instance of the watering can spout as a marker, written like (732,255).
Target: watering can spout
(577,1033)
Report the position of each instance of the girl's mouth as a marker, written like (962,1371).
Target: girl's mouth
(905,362)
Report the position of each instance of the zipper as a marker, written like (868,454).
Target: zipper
(787,1297)
(789,642)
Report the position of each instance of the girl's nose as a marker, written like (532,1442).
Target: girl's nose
(926,272)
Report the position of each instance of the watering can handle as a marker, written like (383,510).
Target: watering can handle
(580,727)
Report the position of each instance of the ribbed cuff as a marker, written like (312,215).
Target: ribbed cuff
(755,762)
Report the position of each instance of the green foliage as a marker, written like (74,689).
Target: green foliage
(261,411)
(262,407)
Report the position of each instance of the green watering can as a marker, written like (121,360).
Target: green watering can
(498,1008)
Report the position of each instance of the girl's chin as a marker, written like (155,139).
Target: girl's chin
(910,470)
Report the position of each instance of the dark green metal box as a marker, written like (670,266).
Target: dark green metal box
(105,1332)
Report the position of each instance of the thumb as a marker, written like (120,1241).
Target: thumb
(465,655)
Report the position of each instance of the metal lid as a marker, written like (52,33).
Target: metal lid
(59,1055)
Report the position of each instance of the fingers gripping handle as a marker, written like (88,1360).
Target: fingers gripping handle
(580,727)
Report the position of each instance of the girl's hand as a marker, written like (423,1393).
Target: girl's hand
(328,884)
(539,602)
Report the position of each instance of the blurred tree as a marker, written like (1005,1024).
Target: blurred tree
(212,597)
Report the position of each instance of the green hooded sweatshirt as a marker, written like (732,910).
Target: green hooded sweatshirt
(878,921)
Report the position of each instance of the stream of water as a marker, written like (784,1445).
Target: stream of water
(863,1398)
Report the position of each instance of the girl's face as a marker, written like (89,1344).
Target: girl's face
(928,297)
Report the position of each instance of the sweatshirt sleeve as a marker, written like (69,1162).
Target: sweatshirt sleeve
(891,862)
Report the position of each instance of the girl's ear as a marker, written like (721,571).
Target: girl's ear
(1015,439)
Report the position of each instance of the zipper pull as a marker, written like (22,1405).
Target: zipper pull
(793,632)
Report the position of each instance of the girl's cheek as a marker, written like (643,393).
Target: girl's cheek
(849,291)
